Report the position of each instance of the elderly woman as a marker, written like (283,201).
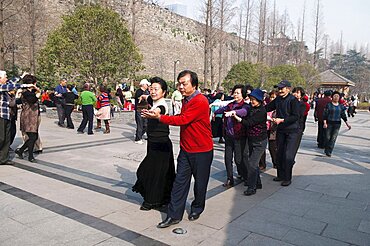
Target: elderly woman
(255,124)
(156,172)
(29,118)
(235,135)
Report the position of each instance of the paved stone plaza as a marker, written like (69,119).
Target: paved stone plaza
(79,193)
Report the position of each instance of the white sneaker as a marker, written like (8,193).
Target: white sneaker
(139,141)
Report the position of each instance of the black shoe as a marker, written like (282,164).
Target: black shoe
(327,154)
(168,222)
(8,162)
(38,151)
(228,184)
(145,206)
(61,125)
(80,132)
(18,153)
(69,127)
(193,216)
(90,133)
(277,179)
(33,160)
(250,192)
(286,183)
(259,186)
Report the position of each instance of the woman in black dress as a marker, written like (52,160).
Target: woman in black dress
(156,172)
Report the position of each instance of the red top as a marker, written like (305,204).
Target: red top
(195,126)
(320,106)
(308,107)
(45,97)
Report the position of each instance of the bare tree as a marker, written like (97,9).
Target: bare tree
(317,32)
(207,41)
(273,35)
(226,11)
(247,32)
(261,30)
(8,9)
(32,21)
(301,39)
(240,32)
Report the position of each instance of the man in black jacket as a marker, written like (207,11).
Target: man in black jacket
(288,131)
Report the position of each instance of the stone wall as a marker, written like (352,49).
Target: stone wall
(162,37)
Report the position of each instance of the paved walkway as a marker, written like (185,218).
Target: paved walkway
(79,194)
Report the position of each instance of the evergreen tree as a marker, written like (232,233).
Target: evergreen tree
(92,44)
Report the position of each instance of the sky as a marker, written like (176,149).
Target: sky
(350,17)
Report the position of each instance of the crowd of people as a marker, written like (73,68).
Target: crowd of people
(247,121)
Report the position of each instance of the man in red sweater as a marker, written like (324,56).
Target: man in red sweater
(196,149)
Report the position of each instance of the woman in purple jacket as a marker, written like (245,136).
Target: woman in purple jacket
(234,133)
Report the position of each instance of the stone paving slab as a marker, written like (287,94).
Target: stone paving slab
(347,235)
(302,238)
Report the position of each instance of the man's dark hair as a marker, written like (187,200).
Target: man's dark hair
(29,79)
(70,87)
(327,93)
(161,82)
(296,89)
(193,77)
(336,92)
(242,88)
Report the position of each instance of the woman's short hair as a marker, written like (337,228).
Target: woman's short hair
(161,82)
(296,89)
(242,88)
(29,79)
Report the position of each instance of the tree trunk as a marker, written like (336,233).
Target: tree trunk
(316,41)
(206,43)
(2,38)
(246,33)
(32,36)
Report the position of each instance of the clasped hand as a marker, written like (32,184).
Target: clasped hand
(150,114)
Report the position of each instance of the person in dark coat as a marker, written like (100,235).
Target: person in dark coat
(319,112)
(156,172)
(288,131)
(255,124)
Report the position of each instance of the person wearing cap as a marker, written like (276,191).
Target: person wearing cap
(255,124)
(140,104)
(5,115)
(88,100)
(318,114)
(196,150)
(288,131)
